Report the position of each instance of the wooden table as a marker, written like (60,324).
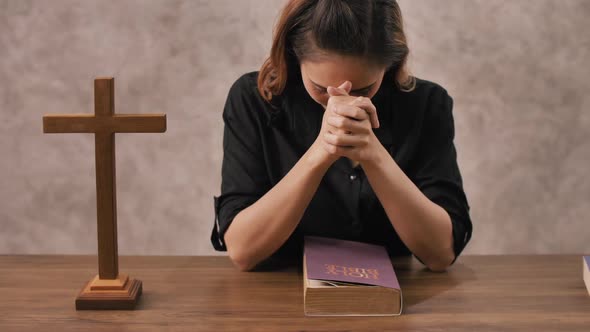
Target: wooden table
(479,293)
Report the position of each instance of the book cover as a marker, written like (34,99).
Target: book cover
(348,278)
(586,272)
(349,261)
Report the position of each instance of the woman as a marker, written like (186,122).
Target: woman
(334,138)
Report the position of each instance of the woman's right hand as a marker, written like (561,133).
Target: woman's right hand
(339,97)
(318,151)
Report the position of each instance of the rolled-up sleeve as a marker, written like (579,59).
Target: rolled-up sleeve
(437,173)
(244,178)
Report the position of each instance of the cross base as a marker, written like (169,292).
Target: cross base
(116,294)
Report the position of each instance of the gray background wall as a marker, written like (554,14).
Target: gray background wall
(518,71)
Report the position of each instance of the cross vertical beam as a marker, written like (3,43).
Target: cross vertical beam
(106,196)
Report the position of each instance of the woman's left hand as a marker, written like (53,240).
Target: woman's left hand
(350,124)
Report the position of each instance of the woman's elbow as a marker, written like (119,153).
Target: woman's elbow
(438,267)
(241,260)
(441,264)
(242,266)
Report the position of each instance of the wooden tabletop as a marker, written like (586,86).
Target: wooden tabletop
(478,293)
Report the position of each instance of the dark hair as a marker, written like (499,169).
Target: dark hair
(311,29)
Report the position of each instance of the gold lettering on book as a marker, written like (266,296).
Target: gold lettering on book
(356,272)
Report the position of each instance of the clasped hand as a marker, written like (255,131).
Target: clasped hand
(347,125)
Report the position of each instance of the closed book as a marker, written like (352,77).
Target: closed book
(348,278)
(586,273)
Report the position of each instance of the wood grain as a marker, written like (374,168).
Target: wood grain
(478,293)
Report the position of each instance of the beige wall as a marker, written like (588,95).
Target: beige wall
(518,71)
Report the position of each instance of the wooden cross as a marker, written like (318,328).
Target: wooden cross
(109,289)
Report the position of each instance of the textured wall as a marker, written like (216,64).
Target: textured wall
(518,71)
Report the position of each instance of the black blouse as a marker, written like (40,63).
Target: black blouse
(262,142)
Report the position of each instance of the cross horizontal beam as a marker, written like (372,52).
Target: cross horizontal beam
(117,123)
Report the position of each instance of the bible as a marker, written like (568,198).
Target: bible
(586,273)
(348,278)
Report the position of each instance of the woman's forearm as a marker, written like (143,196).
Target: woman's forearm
(421,224)
(259,230)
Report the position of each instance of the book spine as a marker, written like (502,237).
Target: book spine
(586,273)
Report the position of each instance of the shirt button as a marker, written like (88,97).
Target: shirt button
(352,177)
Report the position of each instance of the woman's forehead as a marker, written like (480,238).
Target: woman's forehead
(333,71)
